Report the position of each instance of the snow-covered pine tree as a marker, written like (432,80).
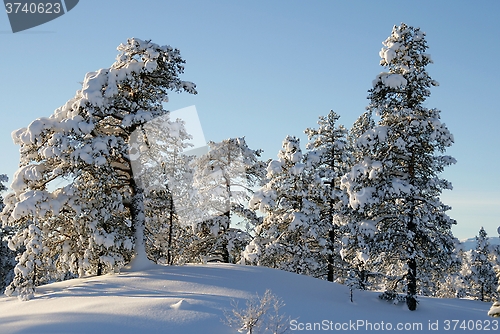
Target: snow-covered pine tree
(364,123)
(86,143)
(453,283)
(398,185)
(357,242)
(464,261)
(167,179)
(481,278)
(450,283)
(7,256)
(357,231)
(167,238)
(3,178)
(223,178)
(329,159)
(292,236)
(495,308)
(495,253)
(244,237)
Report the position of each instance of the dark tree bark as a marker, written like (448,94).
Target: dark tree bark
(331,235)
(411,275)
(170,229)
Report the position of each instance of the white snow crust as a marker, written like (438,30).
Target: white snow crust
(191,299)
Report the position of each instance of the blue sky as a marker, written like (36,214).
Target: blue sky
(267,69)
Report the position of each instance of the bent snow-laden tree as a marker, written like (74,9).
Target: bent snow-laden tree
(90,221)
(397,187)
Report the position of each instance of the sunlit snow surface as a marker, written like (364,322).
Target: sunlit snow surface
(191,299)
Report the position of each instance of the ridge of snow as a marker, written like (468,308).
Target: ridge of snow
(192,299)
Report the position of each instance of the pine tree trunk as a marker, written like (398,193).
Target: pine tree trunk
(99,264)
(411,276)
(225,252)
(363,278)
(331,235)
(411,301)
(138,221)
(170,231)
(99,268)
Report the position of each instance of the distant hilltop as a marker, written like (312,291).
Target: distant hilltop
(470,243)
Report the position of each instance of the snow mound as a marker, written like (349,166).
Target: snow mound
(139,262)
(193,299)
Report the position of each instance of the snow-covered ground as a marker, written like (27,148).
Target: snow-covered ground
(192,299)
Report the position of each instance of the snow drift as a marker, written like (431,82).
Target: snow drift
(192,299)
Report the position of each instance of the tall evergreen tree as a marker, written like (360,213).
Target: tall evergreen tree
(292,236)
(357,231)
(398,186)
(329,159)
(481,277)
